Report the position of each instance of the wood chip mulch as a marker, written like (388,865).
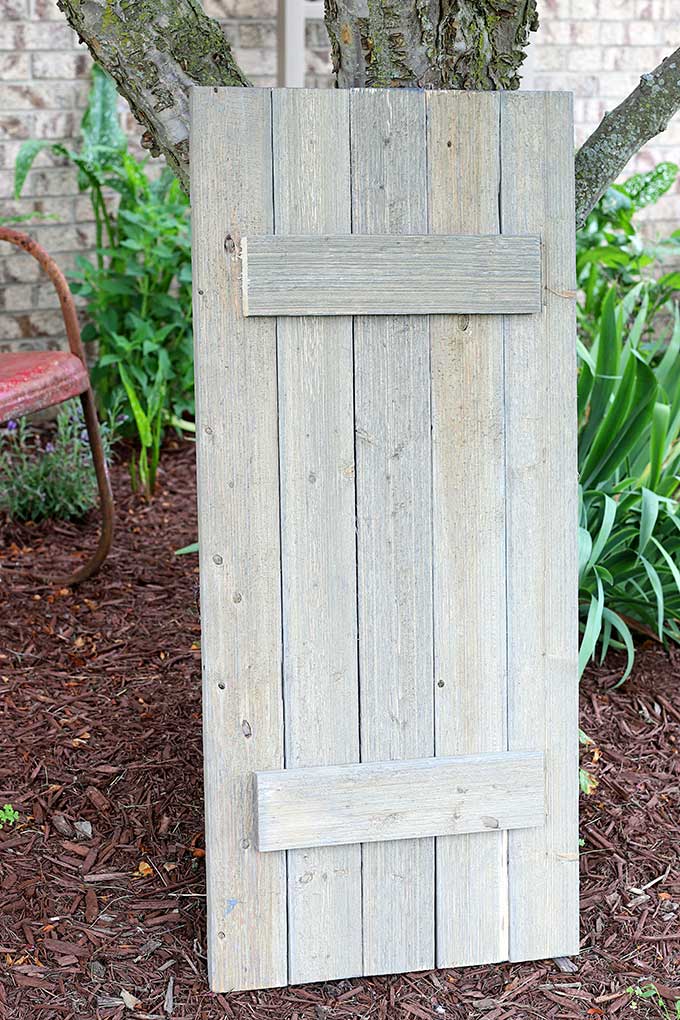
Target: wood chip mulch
(102,892)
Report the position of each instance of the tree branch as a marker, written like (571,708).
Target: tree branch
(156,50)
(642,115)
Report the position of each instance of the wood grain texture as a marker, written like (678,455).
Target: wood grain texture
(469,527)
(355,628)
(395,275)
(383,802)
(537,194)
(238,499)
(318,546)
(394,523)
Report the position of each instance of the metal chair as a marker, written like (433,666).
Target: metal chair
(34,380)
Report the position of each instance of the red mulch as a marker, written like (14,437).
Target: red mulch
(102,881)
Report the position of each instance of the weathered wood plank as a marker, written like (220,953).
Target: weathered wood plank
(395,275)
(398,801)
(318,546)
(238,499)
(537,194)
(394,523)
(469,527)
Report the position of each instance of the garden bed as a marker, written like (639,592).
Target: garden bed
(102,880)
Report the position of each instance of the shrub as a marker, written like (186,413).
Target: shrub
(611,252)
(138,290)
(629,424)
(47,479)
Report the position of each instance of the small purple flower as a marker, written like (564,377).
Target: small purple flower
(12,426)
(83,436)
(49,448)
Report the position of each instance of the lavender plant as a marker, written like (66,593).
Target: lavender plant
(53,478)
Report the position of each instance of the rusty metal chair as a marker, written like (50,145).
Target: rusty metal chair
(34,380)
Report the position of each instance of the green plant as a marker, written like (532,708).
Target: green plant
(8,815)
(47,479)
(138,290)
(610,251)
(651,994)
(629,457)
(587,781)
(629,447)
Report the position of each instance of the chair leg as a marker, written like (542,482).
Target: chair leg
(105,494)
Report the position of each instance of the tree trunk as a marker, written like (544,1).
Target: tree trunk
(445,44)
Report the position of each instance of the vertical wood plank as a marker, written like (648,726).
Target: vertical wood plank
(538,196)
(394,522)
(468,526)
(238,498)
(318,544)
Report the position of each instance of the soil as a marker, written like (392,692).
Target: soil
(102,890)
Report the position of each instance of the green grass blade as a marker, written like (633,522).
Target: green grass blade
(649,512)
(617,624)
(657,588)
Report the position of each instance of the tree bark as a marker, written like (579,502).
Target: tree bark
(156,50)
(642,115)
(445,44)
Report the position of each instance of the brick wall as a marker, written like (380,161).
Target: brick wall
(597,48)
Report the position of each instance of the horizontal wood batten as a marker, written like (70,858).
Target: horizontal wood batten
(340,804)
(391,275)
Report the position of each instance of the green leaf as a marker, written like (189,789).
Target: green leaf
(26,157)
(661,416)
(193,548)
(592,628)
(608,518)
(587,782)
(646,188)
(141,419)
(585,546)
(657,588)
(624,424)
(100,127)
(648,516)
(607,367)
(670,562)
(615,621)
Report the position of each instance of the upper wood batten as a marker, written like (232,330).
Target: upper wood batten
(390,274)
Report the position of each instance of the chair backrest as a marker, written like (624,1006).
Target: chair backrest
(68,308)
